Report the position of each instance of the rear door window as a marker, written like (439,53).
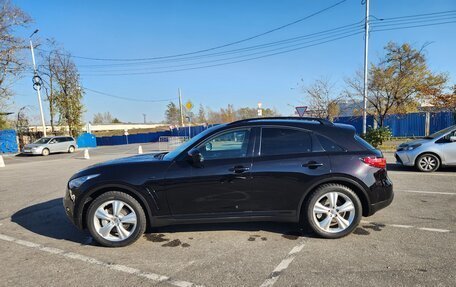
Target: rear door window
(282,141)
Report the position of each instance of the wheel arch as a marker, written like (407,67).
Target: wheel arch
(343,180)
(94,193)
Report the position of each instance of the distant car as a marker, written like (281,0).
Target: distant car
(431,152)
(47,145)
(302,170)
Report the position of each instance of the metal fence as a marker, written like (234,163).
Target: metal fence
(166,143)
(407,125)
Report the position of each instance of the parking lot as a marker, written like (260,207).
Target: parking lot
(412,242)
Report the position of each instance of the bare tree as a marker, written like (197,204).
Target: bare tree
(323,103)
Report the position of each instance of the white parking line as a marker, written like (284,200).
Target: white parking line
(452,174)
(434,229)
(283,265)
(409,226)
(116,267)
(427,192)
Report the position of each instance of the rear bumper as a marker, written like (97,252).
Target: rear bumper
(381,204)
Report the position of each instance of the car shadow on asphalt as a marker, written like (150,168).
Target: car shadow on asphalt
(49,219)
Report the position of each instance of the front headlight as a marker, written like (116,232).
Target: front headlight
(77,182)
(412,147)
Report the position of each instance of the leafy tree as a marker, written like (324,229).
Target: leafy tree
(116,121)
(11,65)
(376,137)
(69,97)
(396,82)
(445,101)
(323,102)
(172,114)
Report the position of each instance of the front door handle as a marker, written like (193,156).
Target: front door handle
(239,169)
(312,164)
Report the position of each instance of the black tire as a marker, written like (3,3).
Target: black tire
(71,149)
(427,162)
(133,203)
(45,152)
(308,219)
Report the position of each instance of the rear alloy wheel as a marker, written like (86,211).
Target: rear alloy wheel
(333,211)
(45,152)
(116,219)
(71,149)
(427,163)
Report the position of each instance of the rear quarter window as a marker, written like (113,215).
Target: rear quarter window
(328,145)
(364,143)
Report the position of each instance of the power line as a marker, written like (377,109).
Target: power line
(198,65)
(127,98)
(221,46)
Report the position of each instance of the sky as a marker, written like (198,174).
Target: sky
(147,29)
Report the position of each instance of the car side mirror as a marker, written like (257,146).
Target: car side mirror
(196,158)
(453,139)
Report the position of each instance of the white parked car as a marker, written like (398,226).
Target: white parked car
(47,145)
(431,152)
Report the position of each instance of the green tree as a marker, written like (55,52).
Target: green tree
(172,114)
(396,83)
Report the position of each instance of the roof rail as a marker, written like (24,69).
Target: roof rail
(320,120)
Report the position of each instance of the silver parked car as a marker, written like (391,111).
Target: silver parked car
(431,152)
(47,145)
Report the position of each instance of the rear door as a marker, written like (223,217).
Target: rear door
(285,166)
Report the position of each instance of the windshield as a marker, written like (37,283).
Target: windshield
(42,141)
(172,154)
(441,132)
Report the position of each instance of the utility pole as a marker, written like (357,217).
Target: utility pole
(144,116)
(180,107)
(37,83)
(366,49)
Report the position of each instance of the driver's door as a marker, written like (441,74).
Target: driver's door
(447,145)
(221,185)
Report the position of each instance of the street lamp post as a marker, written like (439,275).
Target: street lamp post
(37,83)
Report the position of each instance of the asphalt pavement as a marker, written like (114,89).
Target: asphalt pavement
(410,243)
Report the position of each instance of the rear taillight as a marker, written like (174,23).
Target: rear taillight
(379,162)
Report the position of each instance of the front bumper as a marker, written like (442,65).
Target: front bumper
(32,151)
(68,205)
(405,158)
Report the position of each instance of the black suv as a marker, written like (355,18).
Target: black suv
(291,169)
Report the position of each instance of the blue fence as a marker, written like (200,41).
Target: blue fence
(8,142)
(408,125)
(150,137)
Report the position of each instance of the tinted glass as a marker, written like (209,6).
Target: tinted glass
(328,145)
(232,144)
(277,141)
(363,142)
(42,141)
(60,140)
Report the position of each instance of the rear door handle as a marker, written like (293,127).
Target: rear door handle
(312,164)
(239,169)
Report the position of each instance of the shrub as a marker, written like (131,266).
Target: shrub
(377,136)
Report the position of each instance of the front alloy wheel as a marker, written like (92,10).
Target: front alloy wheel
(115,219)
(333,211)
(428,163)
